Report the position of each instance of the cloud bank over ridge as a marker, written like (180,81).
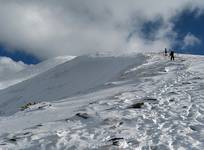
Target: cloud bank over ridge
(74,27)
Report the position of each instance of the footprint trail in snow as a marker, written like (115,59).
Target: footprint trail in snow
(155,106)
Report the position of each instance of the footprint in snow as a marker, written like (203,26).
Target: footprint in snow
(16,137)
(34,127)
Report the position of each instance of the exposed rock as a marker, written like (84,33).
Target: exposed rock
(137,105)
(193,128)
(26,106)
(12,139)
(149,99)
(185,107)
(121,123)
(186,83)
(115,141)
(26,133)
(83,115)
(171,100)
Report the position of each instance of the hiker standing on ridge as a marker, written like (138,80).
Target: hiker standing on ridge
(172,55)
(165,52)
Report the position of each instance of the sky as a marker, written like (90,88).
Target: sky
(34,30)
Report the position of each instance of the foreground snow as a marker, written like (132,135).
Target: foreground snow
(137,103)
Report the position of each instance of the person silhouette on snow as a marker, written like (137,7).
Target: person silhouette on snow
(165,52)
(172,55)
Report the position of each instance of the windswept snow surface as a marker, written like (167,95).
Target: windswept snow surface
(140,102)
(14,72)
(79,75)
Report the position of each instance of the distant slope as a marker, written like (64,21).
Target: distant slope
(18,75)
(78,75)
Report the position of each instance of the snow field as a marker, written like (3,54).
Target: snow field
(154,105)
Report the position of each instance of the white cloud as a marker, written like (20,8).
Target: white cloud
(56,27)
(9,67)
(191,40)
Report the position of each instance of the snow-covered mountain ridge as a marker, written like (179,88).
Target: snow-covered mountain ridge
(73,77)
(21,72)
(123,102)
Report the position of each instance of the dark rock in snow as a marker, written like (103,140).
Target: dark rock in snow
(171,100)
(39,125)
(28,105)
(197,127)
(196,78)
(186,83)
(185,107)
(193,128)
(26,133)
(149,99)
(121,123)
(137,105)
(115,141)
(83,115)
(13,139)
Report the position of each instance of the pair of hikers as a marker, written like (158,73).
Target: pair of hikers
(171,54)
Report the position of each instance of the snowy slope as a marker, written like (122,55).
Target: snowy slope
(14,72)
(148,103)
(74,77)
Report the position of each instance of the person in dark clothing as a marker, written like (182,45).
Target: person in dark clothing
(165,52)
(172,55)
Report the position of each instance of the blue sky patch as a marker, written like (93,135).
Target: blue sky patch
(150,28)
(19,56)
(189,22)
